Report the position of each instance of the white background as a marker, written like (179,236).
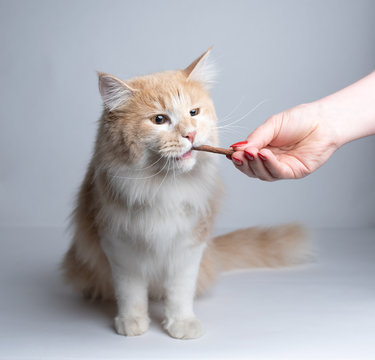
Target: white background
(284,52)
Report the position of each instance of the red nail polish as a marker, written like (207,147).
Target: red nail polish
(237,161)
(248,155)
(262,156)
(239,144)
(229,157)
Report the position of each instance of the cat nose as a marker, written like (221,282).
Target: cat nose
(190,136)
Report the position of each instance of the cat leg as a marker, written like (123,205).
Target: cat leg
(132,303)
(130,289)
(180,321)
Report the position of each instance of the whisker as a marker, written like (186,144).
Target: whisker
(233,126)
(244,116)
(140,178)
(149,166)
(232,130)
(165,176)
(227,117)
(174,175)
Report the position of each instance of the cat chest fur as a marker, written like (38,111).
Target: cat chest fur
(162,218)
(156,237)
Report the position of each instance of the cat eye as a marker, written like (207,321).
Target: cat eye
(160,119)
(194,112)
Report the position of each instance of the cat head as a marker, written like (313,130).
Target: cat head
(154,121)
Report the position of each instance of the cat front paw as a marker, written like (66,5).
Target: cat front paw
(190,328)
(131,326)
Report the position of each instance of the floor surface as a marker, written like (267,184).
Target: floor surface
(322,310)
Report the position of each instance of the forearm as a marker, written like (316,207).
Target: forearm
(351,111)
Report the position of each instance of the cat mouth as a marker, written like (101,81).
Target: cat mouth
(184,156)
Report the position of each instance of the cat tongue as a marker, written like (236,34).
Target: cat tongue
(186,155)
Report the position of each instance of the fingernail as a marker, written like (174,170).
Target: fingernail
(237,161)
(229,157)
(262,156)
(248,155)
(239,144)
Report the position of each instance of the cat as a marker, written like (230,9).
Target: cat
(146,207)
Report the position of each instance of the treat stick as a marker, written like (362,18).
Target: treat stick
(213,149)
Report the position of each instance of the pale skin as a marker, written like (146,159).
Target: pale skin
(295,142)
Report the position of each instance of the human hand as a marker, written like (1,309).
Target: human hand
(294,143)
(289,145)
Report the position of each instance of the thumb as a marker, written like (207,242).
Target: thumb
(265,133)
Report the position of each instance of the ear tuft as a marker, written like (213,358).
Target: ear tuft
(202,70)
(114,92)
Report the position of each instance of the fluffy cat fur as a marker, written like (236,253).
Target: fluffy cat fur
(145,210)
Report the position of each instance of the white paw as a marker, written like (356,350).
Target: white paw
(131,326)
(190,328)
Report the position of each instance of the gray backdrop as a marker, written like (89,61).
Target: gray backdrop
(284,52)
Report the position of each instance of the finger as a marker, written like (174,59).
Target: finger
(241,163)
(257,166)
(276,168)
(265,133)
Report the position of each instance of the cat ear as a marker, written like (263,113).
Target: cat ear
(202,70)
(114,92)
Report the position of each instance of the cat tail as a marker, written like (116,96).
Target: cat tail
(277,246)
(255,247)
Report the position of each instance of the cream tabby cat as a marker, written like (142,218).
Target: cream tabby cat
(145,209)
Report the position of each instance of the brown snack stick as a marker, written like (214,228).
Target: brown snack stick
(213,149)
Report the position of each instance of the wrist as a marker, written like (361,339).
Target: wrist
(327,122)
(350,112)
(332,122)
